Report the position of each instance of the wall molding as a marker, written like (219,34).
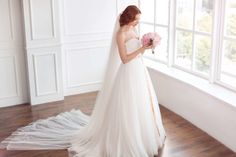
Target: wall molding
(81,47)
(76,50)
(10,18)
(77,41)
(4,47)
(83,88)
(13,58)
(84,48)
(78,34)
(10,14)
(99,42)
(87,33)
(85,84)
(37,93)
(93,37)
(31,15)
(42,46)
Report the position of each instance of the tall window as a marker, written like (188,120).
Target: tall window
(155,17)
(198,36)
(227,59)
(193,29)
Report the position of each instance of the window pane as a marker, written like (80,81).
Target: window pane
(161,50)
(229,57)
(162,12)
(231,18)
(147,9)
(204,11)
(185,13)
(184,49)
(203,52)
(145,28)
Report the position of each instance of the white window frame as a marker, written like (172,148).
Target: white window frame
(193,32)
(154,24)
(220,42)
(217,39)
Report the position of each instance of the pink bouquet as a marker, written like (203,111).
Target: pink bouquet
(151,38)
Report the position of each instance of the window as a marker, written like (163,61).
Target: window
(227,74)
(155,18)
(193,29)
(198,36)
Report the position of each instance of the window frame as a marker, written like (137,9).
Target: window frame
(216,35)
(154,24)
(220,42)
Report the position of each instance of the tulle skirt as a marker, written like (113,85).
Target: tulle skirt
(130,125)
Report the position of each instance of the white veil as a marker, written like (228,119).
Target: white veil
(112,66)
(66,129)
(87,136)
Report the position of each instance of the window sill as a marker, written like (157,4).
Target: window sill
(201,84)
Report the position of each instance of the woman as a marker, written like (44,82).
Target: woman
(126,120)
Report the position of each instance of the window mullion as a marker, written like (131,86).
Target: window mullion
(221,39)
(169,42)
(172,33)
(139,5)
(193,37)
(215,41)
(154,20)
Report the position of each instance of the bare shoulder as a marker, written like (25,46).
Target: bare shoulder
(120,35)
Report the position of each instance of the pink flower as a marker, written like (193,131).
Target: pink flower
(151,38)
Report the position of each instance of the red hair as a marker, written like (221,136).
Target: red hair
(128,15)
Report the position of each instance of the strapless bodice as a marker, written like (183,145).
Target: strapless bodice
(132,45)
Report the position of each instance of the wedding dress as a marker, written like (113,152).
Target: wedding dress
(126,120)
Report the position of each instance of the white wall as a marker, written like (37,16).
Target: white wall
(66,47)
(87,28)
(86,33)
(13,84)
(122,4)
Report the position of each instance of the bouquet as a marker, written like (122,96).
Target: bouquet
(151,38)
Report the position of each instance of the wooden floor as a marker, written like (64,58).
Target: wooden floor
(183,139)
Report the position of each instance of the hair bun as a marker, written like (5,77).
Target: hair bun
(128,15)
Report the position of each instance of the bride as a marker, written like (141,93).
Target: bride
(126,120)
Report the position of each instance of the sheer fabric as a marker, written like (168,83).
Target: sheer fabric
(126,120)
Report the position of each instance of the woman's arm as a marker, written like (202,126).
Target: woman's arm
(125,58)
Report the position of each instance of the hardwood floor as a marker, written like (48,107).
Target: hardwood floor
(183,138)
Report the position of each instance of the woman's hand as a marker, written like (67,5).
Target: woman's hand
(147,47)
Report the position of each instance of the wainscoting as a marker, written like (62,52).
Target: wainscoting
(53,48)
(13,82)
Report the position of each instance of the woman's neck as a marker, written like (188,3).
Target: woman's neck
(128,27)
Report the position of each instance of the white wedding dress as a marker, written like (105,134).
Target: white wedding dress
(130,127)
(126,121)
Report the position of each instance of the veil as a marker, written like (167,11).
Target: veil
(110,73)
(73,127)
(112,65)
